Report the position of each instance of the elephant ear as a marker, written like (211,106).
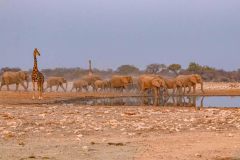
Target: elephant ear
(193,79)
(156,83)
(124,80)
(178,83)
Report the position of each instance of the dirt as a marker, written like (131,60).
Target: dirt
(54,130)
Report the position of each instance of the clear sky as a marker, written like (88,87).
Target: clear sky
(113,32)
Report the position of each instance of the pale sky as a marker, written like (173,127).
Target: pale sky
(114,32)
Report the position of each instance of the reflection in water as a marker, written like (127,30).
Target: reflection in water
(189,101)
(184,101)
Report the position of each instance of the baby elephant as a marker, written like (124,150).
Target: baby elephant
(79,85)
(56,81)
(102,85)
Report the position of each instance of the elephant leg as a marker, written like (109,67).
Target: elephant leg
(121,89)
(62,87)
(155,91)
(23,85)
(173,99)
(184,90)
(155,96)
(180,91)
(17,85)
(2,84)
(57,87)
(194,88)
(189,88)
(143,92)
(46,88)
(8,87)
(173,91)
(72,89)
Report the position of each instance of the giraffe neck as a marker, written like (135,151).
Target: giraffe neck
(35,67)
(90,68)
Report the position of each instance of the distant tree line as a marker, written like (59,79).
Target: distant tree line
(208,73)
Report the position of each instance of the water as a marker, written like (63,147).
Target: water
(222,101)
(187,101)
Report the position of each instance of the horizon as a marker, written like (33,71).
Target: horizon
(121,32)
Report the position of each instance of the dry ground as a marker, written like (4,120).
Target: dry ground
(52,129)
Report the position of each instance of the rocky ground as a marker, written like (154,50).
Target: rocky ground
(55,130)
(117,132)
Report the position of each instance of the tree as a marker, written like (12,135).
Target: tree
(208,69)
(127,69)
(175,68)
(155,68)
(194,67)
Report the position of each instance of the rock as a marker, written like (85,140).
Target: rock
(131,134)
(42,115)
(230,135)
(41,128)
(198,155)
(80,136)
(2,128)
(104,140)
(21,143)
(130,113)
(85,148)
(97,128)
(116,144)
(123,129)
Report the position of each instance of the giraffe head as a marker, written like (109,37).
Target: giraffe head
(36,52)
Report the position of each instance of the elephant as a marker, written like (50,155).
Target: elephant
(151,82)
(56,81)
(17,78)
(101,84)
(79,85)
(90,79)
(134,86)
(120,82)
(191,81)
(173,83)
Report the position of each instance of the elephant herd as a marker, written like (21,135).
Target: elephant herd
(143,83)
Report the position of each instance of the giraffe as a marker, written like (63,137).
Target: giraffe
(37,76)
(90,72)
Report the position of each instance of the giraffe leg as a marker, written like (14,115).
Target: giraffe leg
(40,90)
(33,90)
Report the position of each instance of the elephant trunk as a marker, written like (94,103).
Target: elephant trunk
(27,84)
